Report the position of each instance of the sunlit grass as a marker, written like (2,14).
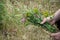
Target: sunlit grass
(15,29)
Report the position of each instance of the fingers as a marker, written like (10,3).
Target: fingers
(44,20)
(53,35)
(52,22)
(56,35)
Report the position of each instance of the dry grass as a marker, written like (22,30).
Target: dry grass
(15,29)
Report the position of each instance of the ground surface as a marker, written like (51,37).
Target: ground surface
(17,30)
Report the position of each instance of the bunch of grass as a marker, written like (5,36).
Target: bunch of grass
(35,16)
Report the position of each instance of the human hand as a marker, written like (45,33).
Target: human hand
(51,21)
(56,36)
(44,20)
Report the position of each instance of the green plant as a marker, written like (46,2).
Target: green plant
(2,13)
(35,17)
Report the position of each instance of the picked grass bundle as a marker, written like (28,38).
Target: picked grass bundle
(34,16)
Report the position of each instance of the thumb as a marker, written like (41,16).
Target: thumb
(44,20)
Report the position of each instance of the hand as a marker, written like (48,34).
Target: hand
(44,20)
(56,36)
(52,22)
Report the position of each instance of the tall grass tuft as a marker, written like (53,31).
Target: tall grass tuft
(2,13)
(35,16)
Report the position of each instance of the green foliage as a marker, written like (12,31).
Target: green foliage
(2,13)
(46,13)
(35,17)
